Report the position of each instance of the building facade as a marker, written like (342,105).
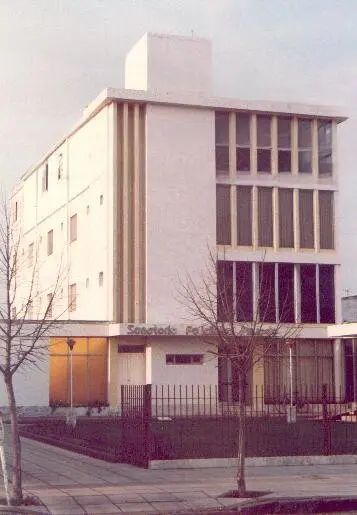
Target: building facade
(133,198)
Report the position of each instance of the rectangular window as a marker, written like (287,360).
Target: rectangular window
(305,146)
(308,293)
(267,292)
(244,215)
(244,291)
(326,220)
(324,131)
(45,178)
(72,297)
(222,142)
(30,254)
(184,359)
(89,371)
(264,144)
(16,211)
(284,145)
(286,218)
(265,217)
(73,228)
(306,218)
(286,292)
(60,166)
(50,242)
(225,291)
(327,293)
(243,142)
(223,215)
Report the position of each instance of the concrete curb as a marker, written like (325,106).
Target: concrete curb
(273,461)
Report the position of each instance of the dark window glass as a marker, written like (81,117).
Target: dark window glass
(265,217)
(284,161)
(326,219)
(267,292)
(284,133)
(306,217)
(305,161)
(263,160)
(243,130)
(350,347)
(222,159)
(286,218)
(308,293)
(286,292)
(304,134)
(263,131)
(324,131)
(243,159)
(244,291)
(325,162)
(223,215)
(184,359)
(327,294)
(222,128)
(244,215)
(225,291)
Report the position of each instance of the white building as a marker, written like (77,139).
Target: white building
(133,197)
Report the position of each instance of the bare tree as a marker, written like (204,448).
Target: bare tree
(26,322)
(236,330)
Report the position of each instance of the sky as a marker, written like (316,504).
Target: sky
(57,55)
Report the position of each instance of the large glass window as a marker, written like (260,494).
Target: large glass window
(244,291)
(326,220)
(222,142)
(89,371)
(244,215)
(267,292)
(305,146)
(265,217)
(223,215)
(324,128)
(306,218)
(327,293)
(286,292)
(243,142)
(284,145)
(225,307)
(308,293)
(264,144)
(286,218)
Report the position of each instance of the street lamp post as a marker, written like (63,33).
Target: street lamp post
(71,419)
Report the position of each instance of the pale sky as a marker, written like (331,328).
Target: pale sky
(57,55)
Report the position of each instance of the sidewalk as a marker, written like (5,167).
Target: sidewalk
(69,483)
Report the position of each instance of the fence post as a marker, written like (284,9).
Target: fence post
(147,424)
(326,422)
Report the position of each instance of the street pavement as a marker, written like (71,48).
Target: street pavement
(70,483)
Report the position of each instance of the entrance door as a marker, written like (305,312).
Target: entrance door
(131,369)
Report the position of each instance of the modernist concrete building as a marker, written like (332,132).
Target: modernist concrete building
(153,176)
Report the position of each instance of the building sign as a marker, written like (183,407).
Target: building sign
(165,330)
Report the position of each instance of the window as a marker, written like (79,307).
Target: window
(284,145)
(184,359)
(100,278)
(308,293)
(267,292)
(306,218)
(286,218)
(222,142)
(324,130)
(50,242)
(305,146)
(72,297)
(73,228)
(228,381)
(225,309)
(243,142)
(89,358)
(263,144)
(234,299)
(327,294)
(30,254)
(60,166)
(286,292)
(265,217)
(223,215)
(244,291)
(326,220)
(49,305)
(45,178)
(16,213)
(244,215)
(350,347)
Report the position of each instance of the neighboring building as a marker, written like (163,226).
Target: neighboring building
(152,177)
(349,308)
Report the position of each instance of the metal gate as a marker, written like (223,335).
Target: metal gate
(135,420)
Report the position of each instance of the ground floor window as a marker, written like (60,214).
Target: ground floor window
(89,366)
(350,350)
(298,369)
(228,381)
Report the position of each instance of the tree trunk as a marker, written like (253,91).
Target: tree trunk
(16,486)
(241,486)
